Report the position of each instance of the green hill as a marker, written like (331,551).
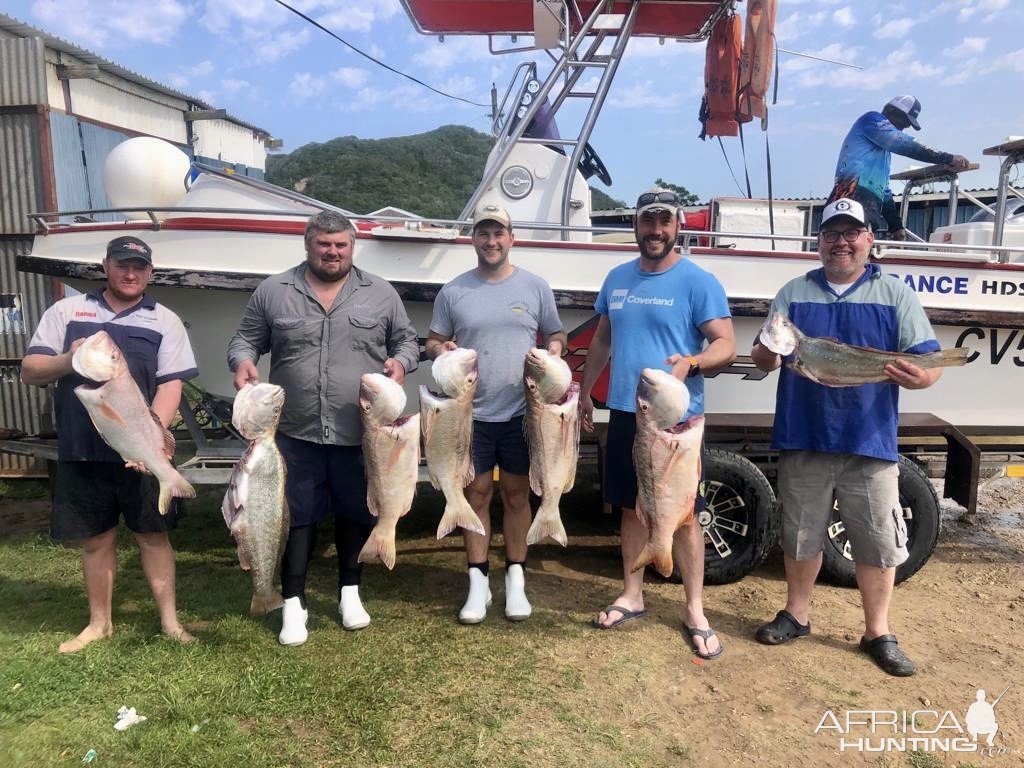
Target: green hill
(432,174)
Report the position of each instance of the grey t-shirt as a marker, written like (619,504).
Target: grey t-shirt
(500,321)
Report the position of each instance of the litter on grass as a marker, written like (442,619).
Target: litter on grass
(89,756)
(127,717)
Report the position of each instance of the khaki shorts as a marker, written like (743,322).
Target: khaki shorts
(867,492)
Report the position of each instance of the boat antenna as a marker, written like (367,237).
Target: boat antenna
(378,62)
(818,58)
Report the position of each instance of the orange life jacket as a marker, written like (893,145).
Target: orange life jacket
(721,70)
(756,61)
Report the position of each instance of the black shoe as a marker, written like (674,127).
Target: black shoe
(783,628)
(887,654)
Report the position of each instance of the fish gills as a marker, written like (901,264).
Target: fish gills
(391,453)
(447,424)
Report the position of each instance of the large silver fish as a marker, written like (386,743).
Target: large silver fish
(553,435)
(447,424)
(667,460)
(254,507)
(391,452)
(123,418)
(834,364)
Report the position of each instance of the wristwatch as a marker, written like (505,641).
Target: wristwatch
(694,366)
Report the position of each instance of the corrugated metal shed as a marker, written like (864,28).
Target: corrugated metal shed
(23,298)
(24,79)
(19,163)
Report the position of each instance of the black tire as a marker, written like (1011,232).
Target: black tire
(740,523)
(920,512)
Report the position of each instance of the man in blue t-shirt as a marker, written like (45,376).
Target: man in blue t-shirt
(862,171)
(839,443)
(657,311)
(499,310)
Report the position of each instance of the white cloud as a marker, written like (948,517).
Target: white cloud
(897,67)
(231,85)
(98,23)
(844,17)
(969,47)
(455,50)
(272,48)
(351,77)
(835,51)
(645,94)
(895,29)
(305,86)
(797,24)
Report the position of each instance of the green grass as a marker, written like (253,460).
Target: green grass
(23,489)
(414,689)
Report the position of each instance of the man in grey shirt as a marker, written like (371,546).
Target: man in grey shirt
(325,323)
(498,310)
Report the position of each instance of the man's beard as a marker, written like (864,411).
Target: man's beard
(645,249)
(328,277)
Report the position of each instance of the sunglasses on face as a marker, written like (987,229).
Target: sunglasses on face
(657,197)
(833,235)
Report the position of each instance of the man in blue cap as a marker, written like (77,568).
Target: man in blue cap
(862,172)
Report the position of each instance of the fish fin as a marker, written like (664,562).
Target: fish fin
(459,513)
(169,444)
(547,524)
(178,488)
(379,546)
(536,481)
(660,556)
(641,515)
(261,605)
(804,371)
(243,561)
(111,413)
(469,475)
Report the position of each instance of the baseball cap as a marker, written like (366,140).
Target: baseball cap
(492,212)
(657,199)
(844,206)
(909,106)
(129,247)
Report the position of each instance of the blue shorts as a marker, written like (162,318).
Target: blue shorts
(619,484)
(501,444)
(89,497)
(324,479)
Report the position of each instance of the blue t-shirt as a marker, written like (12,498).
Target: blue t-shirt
(878,311)
(654,315)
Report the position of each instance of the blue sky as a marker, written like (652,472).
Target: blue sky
(964,59)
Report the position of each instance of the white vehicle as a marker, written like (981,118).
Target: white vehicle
(217,240)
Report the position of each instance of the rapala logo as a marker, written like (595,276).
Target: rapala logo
(80,313)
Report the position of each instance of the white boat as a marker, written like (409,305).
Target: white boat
(216,241)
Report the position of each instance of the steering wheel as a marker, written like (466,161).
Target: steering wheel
(591,165)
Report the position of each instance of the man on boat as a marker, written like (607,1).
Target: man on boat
(93,486)
(683,324)
(325,323)
(498,309)
(862,172)
(839,444)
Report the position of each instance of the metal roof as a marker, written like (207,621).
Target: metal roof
(21,29)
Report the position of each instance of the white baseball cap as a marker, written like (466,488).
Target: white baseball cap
(909,106)
(844,206)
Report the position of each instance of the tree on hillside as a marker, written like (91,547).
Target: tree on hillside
(599,201)
(686,197)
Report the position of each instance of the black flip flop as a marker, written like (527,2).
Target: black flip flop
(783,628)
(626,615)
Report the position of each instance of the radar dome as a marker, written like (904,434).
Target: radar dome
(145,171)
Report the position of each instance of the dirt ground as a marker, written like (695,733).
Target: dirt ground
(960,618)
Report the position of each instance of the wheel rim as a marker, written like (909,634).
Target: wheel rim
(725,520)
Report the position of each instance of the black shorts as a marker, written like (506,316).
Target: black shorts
(324,479)
(619,472)
(89,497)
(501,444)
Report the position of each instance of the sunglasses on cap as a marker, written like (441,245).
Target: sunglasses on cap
(657,197)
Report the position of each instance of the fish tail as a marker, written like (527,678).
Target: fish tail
(379,546)
(658,555)
(459,513)
(261,605)
(175,488)
(952,357)
(547,524)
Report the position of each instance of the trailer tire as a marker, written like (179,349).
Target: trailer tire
(920,511)
(740,522)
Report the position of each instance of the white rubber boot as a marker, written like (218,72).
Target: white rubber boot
(475,609)
(353,615)
(517,607)
(293,623)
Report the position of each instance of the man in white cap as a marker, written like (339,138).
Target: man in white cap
(839,444)
(497,309)
(862,172)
